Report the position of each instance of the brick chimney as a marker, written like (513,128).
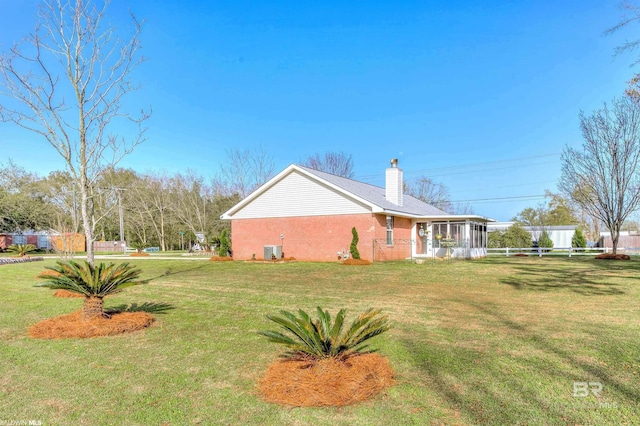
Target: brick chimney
(393,187)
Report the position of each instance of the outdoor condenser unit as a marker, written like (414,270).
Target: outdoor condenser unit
(272,250)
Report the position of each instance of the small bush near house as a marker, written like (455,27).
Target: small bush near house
(545,242)
(353,248)
(578,240)
(225,245)
(495,239)
(517,237)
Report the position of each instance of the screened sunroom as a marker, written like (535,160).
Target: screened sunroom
(463,237)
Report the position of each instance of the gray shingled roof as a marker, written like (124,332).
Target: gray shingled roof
(376,195)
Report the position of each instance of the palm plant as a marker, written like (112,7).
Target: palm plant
(139,246)
(94,282)
(320,338)
(21,249)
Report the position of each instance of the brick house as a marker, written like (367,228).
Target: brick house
(308,214)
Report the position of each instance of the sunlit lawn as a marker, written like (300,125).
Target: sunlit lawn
(498,341)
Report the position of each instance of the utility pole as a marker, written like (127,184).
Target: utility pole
(121,211)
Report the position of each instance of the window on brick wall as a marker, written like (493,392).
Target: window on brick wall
(389,230)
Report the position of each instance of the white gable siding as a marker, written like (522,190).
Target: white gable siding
(298,195)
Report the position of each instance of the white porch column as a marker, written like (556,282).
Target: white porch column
(413,242)
(467,237)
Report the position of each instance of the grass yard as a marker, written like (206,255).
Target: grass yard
(496,341)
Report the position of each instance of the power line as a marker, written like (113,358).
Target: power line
(469,166)
(503,186)
(491,169)
(502,199)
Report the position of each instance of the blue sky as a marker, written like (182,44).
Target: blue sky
(479,96)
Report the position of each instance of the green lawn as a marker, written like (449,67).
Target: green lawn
(497,341)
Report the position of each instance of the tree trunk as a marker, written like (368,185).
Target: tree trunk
(614,241)
(93,308)
(87,226)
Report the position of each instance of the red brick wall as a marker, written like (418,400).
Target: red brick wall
(318,237)
(401,247)
(5,241)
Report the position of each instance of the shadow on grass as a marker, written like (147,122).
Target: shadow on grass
(567,262)
(479,388)
(488,387)
(149,307)
(588,278)
(549,346)
(172,271)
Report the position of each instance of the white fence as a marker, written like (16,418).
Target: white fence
(559,251)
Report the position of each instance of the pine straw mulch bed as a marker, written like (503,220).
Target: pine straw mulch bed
(327,382)
(74,326)
(47,273)
(139,254)
(67,294)
(281,260)
(356,262)
(611,256)
(221,259)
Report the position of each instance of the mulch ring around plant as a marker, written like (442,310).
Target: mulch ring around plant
(353,261)
(75,326)
(220,259)
(47,273)
(611,256)
(66,293)
(136,254)
(327,382)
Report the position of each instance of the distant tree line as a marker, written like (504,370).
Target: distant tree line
(159,209)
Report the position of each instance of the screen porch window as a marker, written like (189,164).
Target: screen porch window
(439,230)
(389,230)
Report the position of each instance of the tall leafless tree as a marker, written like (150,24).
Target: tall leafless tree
(245,170)
(66,82)
(630,14)
(603,176)
(191,199)
(153,203)
(430,192)
(336,163)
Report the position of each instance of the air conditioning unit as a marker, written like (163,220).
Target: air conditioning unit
(270,251)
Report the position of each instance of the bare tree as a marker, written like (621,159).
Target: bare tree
(245,170)
(603,177)
(191,199)
(463,208)
(430,192)
(66,82)
(153,203)
(630,14)
(336,163)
